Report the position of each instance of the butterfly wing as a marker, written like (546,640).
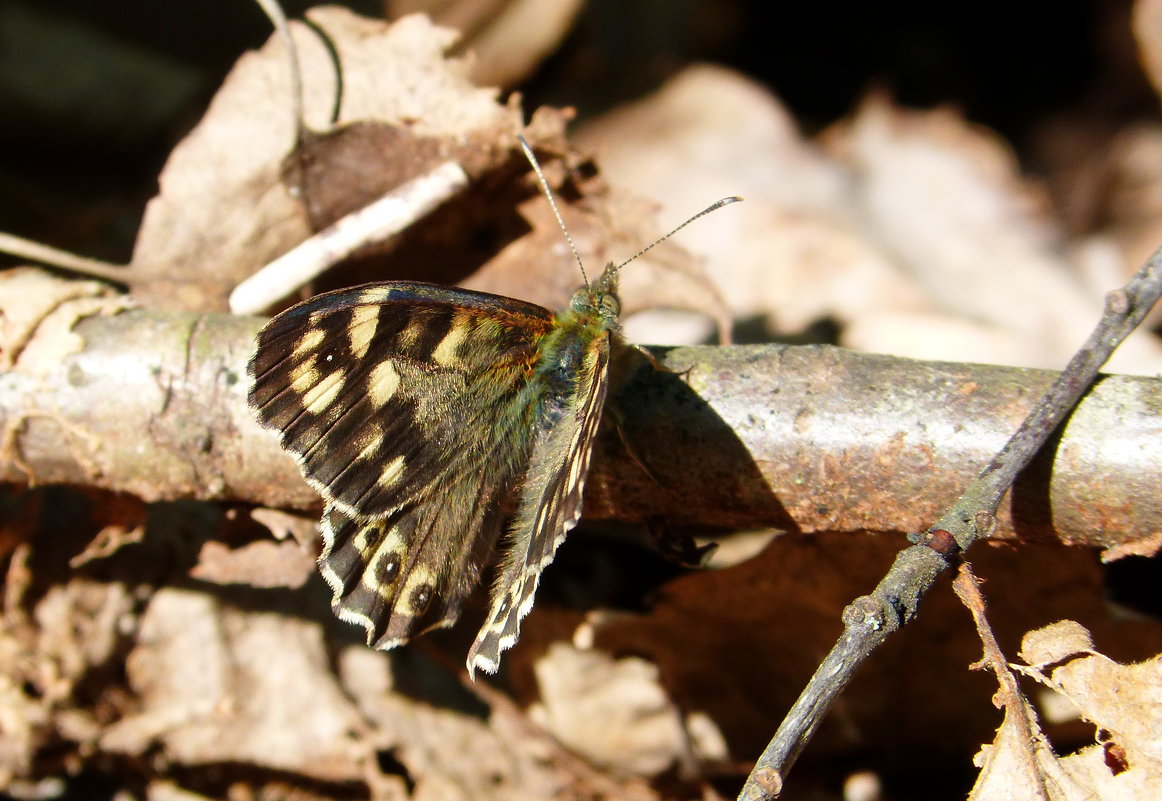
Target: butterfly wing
(550,503)
(388,396)
(403,574)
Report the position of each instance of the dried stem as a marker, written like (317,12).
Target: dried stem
(43,254)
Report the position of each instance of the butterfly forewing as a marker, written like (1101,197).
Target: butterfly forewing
(379,390)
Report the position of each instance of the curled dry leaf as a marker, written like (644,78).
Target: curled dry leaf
(30,298)
(1054,643)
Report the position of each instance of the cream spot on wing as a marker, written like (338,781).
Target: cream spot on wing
(318,398)
(309,341)
(304,376)
(382,383)
(374,295)
(366,538)
(392,472)
(445,352)
(369,443)
(361,329)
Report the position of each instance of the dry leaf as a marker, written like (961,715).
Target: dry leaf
(614,713)
(28,298)
(914,231)
(258,564)
(220,684)
(1120,700)
(1055,643)
(947,204)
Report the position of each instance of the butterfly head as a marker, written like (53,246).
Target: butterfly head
(599,299)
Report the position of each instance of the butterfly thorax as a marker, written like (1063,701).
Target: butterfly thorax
(582,327)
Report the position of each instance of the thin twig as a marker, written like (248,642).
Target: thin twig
(869,620)
(43,254)
(371,224)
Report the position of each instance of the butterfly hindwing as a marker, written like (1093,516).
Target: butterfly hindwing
(403,574)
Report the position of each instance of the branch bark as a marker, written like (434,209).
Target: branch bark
(803,438)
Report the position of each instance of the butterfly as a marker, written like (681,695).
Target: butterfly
(417,410)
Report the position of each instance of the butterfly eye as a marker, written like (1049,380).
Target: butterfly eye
(610,306)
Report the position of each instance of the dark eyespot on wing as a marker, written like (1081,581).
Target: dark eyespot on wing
(363,561)
(403,574)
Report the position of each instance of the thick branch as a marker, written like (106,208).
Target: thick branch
(805,438)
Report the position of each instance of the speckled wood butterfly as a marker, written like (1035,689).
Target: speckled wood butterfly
(416,410)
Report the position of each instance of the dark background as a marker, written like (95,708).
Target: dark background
(93,96)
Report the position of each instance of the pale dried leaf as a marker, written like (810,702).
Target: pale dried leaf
(283,525)
(947,202)
(1147,24)
(1124,702)
(779,254)
(1147,546)
(613,712)
(1014,768)
(445,750)
(507,39)
(257,564)
(30,297)
(220,684)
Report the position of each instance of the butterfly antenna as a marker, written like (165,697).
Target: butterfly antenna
(726,201)
(524,145)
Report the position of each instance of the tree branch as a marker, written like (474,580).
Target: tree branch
(801,438)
